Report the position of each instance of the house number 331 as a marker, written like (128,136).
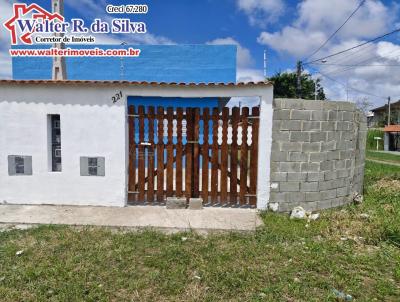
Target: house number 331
(116,97)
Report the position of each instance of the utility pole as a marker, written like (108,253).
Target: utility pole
(59,69)
(389,111)
(298,87)
(315,89)
(265,64)
(122,67)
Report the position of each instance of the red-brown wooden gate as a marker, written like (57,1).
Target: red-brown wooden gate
(189,153)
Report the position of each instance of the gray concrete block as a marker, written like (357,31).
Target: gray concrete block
(290,146)
(299,136)
(346,106)
(329,175)
(295,196)
(327,165)
(289,167)
(310,167)
(277,104)
(347,116)
(279,176)
(324,204)
(276,125)
(341,192)
(289,186)
(315,176)
(311,125)
(311,147)
(291,125)
(332,115)
(275,166)
(328,126)
(318,115)
(318,156)
(328,146)
(176,203)
(293,104)
(279,156)
(340,164)
(343,173)
(312,105)
(300,115)
(318,137)
(345,154)
(333,155)
(327,185)
(331,105)
(296,176)
(328,194)
(298,156)
(313,196)
(281,114)
(195,203)
(282,136)
(333,136)
(278,197)
(309,186)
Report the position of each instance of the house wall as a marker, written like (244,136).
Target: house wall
(92,125)
(318,153)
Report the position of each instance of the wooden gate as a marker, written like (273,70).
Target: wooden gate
(187,152)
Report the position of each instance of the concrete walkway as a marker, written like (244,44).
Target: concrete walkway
(383,162)
(208,219)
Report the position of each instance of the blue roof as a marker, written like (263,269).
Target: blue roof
(158,63)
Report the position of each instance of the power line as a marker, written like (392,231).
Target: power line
(358,65)
(354,47)
(335,71)
(336,31)
(349,87)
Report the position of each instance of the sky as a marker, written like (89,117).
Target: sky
(288,30)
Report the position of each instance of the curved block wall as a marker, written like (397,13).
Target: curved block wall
(318,153)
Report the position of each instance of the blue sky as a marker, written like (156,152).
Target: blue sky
(287,29)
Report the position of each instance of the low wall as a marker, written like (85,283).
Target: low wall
(318,154)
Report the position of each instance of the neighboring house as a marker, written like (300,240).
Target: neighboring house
(392,138)
(378,117)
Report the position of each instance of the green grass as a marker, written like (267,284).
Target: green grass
(391,158)
(285,260)
(371,142)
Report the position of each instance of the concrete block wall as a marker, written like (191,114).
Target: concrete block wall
(318,153)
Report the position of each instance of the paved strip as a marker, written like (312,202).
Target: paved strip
(208,219)
(383,162)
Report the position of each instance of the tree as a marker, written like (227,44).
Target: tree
(285,86)
(363,104)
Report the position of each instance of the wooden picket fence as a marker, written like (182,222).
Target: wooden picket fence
(188,153)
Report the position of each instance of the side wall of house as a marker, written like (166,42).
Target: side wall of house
(91,126)
(318,153)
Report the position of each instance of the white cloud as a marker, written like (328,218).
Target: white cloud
(245,71)
(261,12)
(249,75)
(316,21)
(243,56)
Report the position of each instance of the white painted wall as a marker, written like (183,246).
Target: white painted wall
(91,125)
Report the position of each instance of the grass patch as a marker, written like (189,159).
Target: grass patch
(388,157)
(285,260)
(371,142)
